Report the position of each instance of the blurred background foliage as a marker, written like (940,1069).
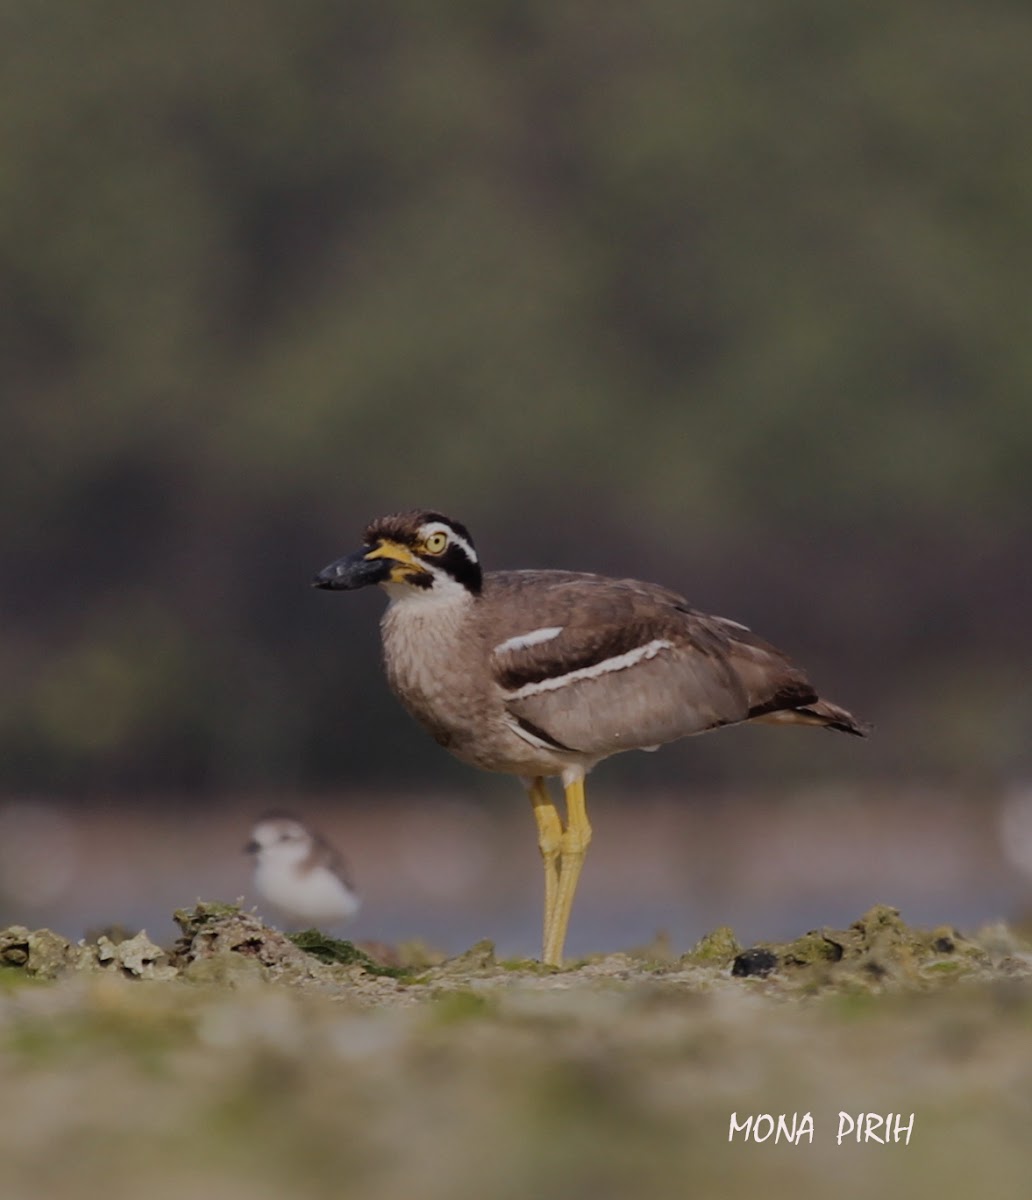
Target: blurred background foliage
(735,297)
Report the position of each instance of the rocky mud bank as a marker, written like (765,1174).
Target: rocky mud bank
(240,1062)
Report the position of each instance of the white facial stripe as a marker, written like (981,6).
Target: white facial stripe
(534,638)
(439,527)
(619,663)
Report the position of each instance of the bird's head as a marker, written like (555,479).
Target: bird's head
(411,554)
(278,837)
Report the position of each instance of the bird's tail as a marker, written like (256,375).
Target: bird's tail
(819,712)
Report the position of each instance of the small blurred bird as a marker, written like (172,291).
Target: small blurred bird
(299,873)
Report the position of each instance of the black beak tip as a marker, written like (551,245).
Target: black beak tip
(334,577)
(352,572)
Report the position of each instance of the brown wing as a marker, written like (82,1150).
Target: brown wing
(632,665)
(324,854)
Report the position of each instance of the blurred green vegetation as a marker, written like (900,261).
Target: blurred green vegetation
(735,297)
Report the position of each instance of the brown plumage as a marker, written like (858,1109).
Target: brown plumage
(542,673)
(713,672)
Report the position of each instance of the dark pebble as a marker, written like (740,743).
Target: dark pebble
(755,962)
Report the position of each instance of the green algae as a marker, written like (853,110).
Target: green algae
(526,966)
(343,953)
(451,1007)
(720,946)
(12,977)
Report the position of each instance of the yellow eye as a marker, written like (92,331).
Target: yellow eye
(436,543)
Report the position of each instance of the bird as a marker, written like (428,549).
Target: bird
(299,873)
(545,673)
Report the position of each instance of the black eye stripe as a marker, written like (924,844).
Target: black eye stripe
(457,563)
(452,559)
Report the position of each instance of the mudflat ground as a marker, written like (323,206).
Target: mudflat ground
(241,1064)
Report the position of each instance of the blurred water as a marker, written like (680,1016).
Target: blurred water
(451,872)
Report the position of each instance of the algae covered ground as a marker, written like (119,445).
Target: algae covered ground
(241,1063)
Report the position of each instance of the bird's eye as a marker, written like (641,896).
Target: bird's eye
(436,542)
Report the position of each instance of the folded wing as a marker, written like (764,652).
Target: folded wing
(600,665)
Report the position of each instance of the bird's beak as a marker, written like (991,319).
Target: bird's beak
(252,847)
(354,571)
(387,561)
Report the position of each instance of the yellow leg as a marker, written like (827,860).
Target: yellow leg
(550,831)
(573,846)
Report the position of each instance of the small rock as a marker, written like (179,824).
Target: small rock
(40,953)
(719,946)
(817,946)
(757,961)
(141,958)
(479,957)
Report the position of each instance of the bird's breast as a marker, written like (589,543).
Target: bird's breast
(435,665)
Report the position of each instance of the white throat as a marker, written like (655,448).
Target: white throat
(444,593)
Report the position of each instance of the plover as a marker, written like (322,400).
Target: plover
(299,874)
